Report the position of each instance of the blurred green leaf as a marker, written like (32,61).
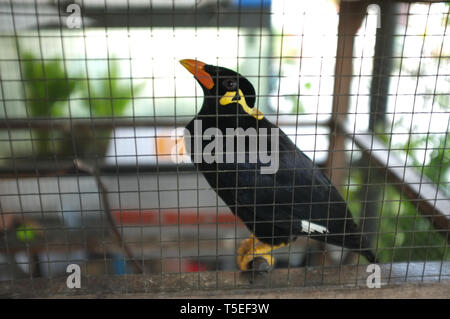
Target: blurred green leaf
(404,233)
(48,88)
(111,95)
(439,166)
(46,83)
(407,235)
(297,106)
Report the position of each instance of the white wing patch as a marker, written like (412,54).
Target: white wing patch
(309,228)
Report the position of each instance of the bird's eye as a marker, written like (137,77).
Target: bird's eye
(230,84)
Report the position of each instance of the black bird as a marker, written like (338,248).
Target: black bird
(297,199)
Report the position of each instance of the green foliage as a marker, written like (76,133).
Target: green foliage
(46,83)
(48,86)
(404,233)
(110,95)
(438,166)
(298,107)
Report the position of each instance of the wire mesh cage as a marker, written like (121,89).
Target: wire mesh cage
(97,177)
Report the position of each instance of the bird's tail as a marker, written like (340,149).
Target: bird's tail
(356,241)
(370,256)
(361,244)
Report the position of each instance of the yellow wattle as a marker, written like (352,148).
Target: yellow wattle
(227,98)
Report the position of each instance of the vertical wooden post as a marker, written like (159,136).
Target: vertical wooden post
(351,15)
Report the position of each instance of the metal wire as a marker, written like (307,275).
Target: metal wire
(161,219)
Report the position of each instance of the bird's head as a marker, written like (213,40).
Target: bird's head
(234,93)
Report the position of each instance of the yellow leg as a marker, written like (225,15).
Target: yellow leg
(244,248)
(252,248)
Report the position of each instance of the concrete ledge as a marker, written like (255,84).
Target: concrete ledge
(409,291)
(398,280)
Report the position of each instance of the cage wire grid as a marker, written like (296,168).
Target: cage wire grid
(87,138)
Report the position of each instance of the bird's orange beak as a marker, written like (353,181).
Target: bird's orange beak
(196,68)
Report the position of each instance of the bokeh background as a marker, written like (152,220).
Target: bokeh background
(121,67)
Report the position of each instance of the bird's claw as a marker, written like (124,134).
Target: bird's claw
(259,264)
(253,256)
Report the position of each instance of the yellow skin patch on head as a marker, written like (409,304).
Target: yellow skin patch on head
(230,97)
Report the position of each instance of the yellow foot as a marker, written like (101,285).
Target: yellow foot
(252,250)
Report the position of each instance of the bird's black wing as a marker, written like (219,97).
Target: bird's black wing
(299,199)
